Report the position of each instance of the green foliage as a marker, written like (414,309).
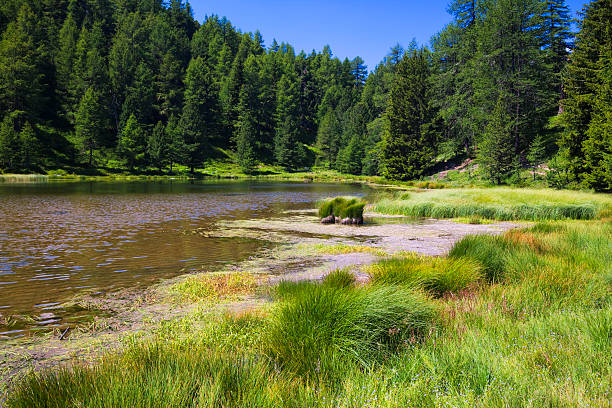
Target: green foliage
(158,145)
(343,207)
(320,328)
(497,204)
(90,122)
(438,276)
(131,141)
(408,143)
(340,278)
(586,108)
(496,153)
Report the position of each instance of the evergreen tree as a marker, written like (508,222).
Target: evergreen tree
(495,153)
(408,144)
(586,109)
(157,146)
(328,137)
(178,151)
(90,122)
(247,126)
(22,81)
(131,141)
(28,147)
(64,62)
(9,140)
(200,119)
(289,149)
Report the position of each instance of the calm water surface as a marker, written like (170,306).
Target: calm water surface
(59,239)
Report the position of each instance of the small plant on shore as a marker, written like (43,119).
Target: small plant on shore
(342,207)
(215,286)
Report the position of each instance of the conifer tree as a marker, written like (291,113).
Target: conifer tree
(157,146)
(177,149)
(64,62)
(328,137)
(90,122)
(131,141)
(200,119)
(495,153)
(586,109)
(408,145)
(22,82)
(289,148)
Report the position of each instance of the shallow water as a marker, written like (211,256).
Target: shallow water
(60,239)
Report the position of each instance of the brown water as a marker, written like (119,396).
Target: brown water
(59,239)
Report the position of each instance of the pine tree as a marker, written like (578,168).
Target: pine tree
(200,119)
(90,122)
(247,125)
(64,62)
(408,145)
(178,151)
(495,153)
(29,147)
(586,109)
(328,137)
(131,141)
(157,146)
(9,140)
(289,149)
(23,85)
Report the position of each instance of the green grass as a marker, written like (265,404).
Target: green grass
(214,286)
(504,204)
(436,275)
(342,207)
(321,328)
(340,278)
(534,331)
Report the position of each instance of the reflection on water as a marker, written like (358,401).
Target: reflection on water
(58,239)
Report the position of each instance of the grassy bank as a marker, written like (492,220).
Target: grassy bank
(497,203)
(524,319)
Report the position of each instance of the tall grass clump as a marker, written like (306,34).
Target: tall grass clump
(340,278)
(316,333)
(342,207)
(156,375)
(502,204)
(436,275)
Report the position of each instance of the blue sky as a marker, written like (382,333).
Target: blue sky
(357,27)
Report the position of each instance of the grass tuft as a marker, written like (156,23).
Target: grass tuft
(217,286)
(342,207)
(321,328)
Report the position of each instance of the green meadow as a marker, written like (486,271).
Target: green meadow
(502,203)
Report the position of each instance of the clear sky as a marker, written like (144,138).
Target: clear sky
(357,27)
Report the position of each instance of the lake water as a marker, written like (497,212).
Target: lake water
(59,239)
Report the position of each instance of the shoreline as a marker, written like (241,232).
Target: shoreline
(306,250)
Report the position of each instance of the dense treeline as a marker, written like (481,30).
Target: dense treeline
(141,84)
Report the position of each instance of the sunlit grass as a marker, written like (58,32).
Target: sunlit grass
(498,203)
(215,286)
(342,249)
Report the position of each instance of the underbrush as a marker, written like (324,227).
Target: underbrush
(504,204)
(522,319)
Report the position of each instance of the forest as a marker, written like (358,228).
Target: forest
(142,86)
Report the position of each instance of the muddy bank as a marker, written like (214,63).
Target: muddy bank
(305,249)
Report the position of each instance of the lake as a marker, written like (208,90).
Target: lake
(60,239)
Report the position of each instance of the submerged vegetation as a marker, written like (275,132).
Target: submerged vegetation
(503,204)
(522,319)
